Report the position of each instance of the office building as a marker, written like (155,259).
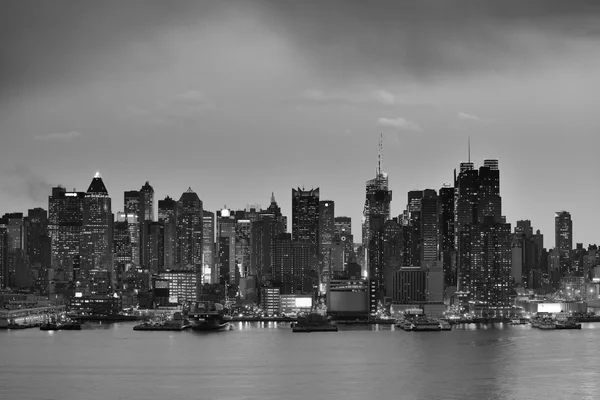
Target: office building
(189,230)
(563,233)
(326,235)
(167,215)
(209,271)
(96,237)
(226,224)
(65,223)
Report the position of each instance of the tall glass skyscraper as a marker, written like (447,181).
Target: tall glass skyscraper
(96,244)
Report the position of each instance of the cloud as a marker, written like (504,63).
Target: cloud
(59,137)
(26,183)
(464,116)
(377,97)
(400,124)
(433,40)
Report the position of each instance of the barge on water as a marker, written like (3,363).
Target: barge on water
(178,323)
(314,323)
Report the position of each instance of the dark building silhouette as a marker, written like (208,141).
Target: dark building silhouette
(208,245)
(189,229)
(482,240)
(447,240)
(167,214)
(65,223)
(96,239)
(305,216)
(39,247)
(326,236)
(563,233)
(226,225)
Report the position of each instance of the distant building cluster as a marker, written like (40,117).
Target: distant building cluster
(449,247)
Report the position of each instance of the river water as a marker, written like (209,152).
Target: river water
(267,361)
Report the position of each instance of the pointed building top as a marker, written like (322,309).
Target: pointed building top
(97,186)
(189,190)
(273,198)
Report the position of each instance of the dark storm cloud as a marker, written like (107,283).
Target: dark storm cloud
(425,39)
(56,42)
(63,42)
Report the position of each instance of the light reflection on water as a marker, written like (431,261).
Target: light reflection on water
(267,361)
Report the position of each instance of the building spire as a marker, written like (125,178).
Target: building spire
(273,198)
(469,148)
(380,154)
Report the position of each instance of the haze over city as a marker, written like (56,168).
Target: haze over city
(241,99)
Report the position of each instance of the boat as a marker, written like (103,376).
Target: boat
(49,327)
(568,323)
(207,316)
(426,325)
(314,322)
(178,323)
(405,325)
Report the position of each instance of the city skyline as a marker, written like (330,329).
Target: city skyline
(136,99)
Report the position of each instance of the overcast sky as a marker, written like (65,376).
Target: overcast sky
(241,98)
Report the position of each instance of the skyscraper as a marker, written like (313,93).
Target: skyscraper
(38,246)
(134,215)
(208,247)
(326,235)
(305,223)
(65,223)
(167,214)
(482,240)
(96,245)
(375,213)
(146,203)
(226,225)
(446,227)
(429,226)
(189,228)
(3,252)
(490,202)
(305,216)
(563,233)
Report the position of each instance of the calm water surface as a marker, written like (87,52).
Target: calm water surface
(268,361)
